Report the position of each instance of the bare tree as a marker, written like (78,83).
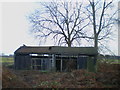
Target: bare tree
(102,18)
(63,21)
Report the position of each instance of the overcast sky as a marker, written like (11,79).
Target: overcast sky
(15,27)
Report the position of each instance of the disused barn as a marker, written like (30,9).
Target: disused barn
(53,58)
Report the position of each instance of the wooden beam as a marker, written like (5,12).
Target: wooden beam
(61,65)
(53,63)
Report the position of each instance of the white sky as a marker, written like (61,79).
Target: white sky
(15,27)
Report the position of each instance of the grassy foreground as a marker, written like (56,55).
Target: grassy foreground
(107,76)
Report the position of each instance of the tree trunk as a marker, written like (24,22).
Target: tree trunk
(96,41)
(69,43)
(95,34)
(96,56)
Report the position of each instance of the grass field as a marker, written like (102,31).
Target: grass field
(7,61)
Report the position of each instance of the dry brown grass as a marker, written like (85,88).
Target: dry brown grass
(10,80)
(106,77)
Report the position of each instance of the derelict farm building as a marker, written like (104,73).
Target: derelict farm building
(53,58)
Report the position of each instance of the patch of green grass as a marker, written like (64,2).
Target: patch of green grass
(7,61)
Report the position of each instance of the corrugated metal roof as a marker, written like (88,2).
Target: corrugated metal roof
(56,50)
